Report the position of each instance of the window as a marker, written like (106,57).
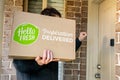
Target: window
(58,4)
(35,6)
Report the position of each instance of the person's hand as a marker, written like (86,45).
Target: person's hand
(46,58)
(82,36)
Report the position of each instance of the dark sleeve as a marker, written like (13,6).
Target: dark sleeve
(26,65)
(78,44)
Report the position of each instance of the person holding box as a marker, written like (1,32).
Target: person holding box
(45,67)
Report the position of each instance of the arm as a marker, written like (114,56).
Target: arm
(78,44)
(79,40)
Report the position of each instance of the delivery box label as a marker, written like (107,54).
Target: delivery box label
(26,33)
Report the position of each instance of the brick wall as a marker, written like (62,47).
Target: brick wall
(118,42)
(77,10)
(8,71)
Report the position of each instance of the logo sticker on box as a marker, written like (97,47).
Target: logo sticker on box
(26,33)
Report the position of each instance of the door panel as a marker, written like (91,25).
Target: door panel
(107,12)
(101,28)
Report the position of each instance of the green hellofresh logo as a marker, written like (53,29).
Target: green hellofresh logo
(26,33)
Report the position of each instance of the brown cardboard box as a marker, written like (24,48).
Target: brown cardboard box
(32,33)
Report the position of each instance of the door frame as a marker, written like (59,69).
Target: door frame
(1,30)
(93,42)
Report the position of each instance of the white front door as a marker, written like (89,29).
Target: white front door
(101,33)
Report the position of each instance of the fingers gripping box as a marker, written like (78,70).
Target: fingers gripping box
(33,33)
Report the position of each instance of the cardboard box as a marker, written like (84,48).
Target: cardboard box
(32,33)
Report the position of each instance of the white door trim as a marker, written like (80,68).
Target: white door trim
(1,30)
(92,40)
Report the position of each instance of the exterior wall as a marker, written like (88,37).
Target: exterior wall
(118,42)
(8,71)
(77,10)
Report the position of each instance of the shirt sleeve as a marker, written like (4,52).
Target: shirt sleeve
(78,44)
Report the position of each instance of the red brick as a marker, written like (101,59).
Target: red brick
(8,14)
(18,8)
(77,60)
(77,3)
(18,2)
(78,9)
(71,66)
(84,14)
(118,48)
(8,8)
(118,5)
(5,64)
(70,9)
(76,72)
(8,71)
(9,2)
(70,14)
(84,20)
(4,77)
(82,77)
(84,3)
(70,3)
(82,61)
(70,78)
(68,72)
(84,9)
(82,72)
(77,15)
(117,28)
(117,70)
(13,77)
